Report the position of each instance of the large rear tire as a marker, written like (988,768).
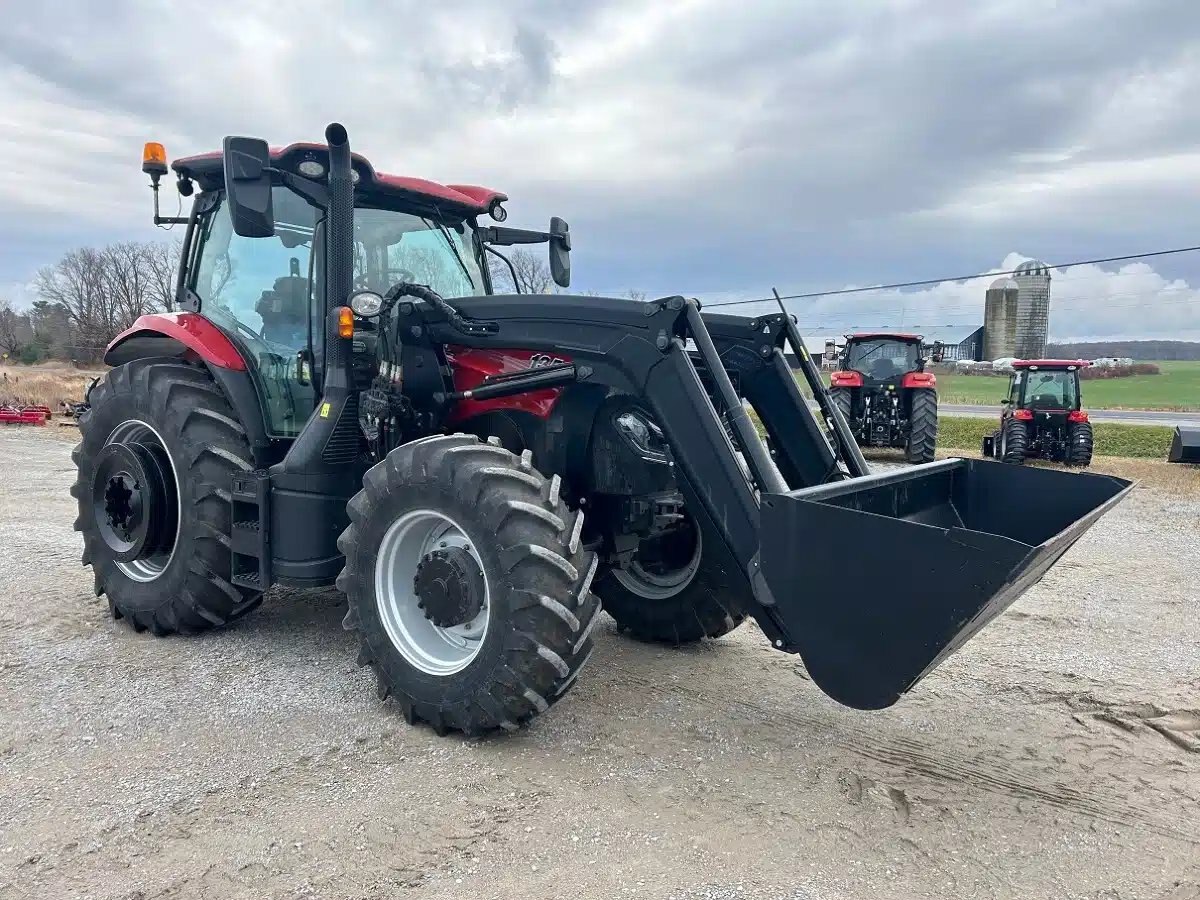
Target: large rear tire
(467,584)
(922,426)
(1014,442)
(843,399)
(681,602)
(179,423)
(1079,444)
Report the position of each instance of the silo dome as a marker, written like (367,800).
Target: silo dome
(1003,284)
(1032,267)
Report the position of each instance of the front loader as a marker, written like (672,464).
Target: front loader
(340,398)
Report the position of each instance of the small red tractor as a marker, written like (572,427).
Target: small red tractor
(1042,417)
(882,390)
(340,398)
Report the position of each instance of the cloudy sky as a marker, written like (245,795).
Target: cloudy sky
(714,149)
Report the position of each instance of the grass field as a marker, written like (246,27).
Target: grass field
(1177,388)
(1112,439)
(44,385)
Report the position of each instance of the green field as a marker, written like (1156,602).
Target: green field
(1112,439)
(1177,388)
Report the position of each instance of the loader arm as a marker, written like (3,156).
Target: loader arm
(781,528)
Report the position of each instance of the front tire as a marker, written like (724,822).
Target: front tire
(686,601)
(176,417)
(922,426)
(515,575)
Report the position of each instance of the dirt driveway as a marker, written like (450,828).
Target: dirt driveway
(1058,755)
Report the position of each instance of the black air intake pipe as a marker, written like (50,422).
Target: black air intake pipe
(339,224)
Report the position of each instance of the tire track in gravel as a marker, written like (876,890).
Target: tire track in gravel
(941,763)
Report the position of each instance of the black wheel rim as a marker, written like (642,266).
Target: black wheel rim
(135,500)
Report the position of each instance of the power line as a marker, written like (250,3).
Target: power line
(930,281)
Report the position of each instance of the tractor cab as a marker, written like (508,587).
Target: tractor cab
(1046,386)
(882,357)
(254,253)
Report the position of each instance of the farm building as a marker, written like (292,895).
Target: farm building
(958,341)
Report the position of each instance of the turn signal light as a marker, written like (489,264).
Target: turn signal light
(345,322)
(1025,415)
(154,158)
(1077,415)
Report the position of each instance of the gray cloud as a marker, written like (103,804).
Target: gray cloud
(707,148)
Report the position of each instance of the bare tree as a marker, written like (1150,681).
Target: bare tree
(533,274)
(98,293)
(14,329)
(76,284)
(161,259)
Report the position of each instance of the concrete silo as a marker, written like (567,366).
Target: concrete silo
(1000,319)
(1033,309)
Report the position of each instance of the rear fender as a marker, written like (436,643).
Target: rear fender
(174,334)
(919,380)
(192,338)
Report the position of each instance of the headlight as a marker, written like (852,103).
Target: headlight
(644,434)
(311,168)
(366,304)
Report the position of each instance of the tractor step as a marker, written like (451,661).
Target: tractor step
(249,538)
(965,539)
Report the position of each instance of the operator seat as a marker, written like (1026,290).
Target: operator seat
(882,368)
(284,311)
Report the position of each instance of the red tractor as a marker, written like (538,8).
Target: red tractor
(1042,417)
(885,394)
(341,398)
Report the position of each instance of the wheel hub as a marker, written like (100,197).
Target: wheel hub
(450,587)
(134,509)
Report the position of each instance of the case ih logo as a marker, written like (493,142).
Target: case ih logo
(542,360)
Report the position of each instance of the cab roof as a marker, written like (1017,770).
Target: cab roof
(876,335)
(465,199)
(1050,363)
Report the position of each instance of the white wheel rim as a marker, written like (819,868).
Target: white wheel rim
(150,568)
(637,580)
(431,648)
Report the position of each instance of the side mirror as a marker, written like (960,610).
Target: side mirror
(560,252)
(248,186)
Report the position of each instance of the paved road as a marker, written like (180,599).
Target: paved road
(1129,416)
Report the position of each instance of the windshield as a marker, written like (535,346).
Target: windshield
(1050,390)
(882,358)
(392,246)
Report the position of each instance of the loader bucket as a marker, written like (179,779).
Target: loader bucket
(879,579)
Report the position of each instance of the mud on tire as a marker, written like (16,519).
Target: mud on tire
(185,408)
(541,611)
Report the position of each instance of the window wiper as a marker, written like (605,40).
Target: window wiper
(453,248)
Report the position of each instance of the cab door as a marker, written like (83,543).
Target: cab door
(261,292)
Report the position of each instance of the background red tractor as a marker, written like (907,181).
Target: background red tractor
(883,391)
(1042,417)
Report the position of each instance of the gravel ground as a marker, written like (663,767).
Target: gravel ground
(1058,755)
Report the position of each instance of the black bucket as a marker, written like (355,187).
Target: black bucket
(1185,445)
(877,580)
